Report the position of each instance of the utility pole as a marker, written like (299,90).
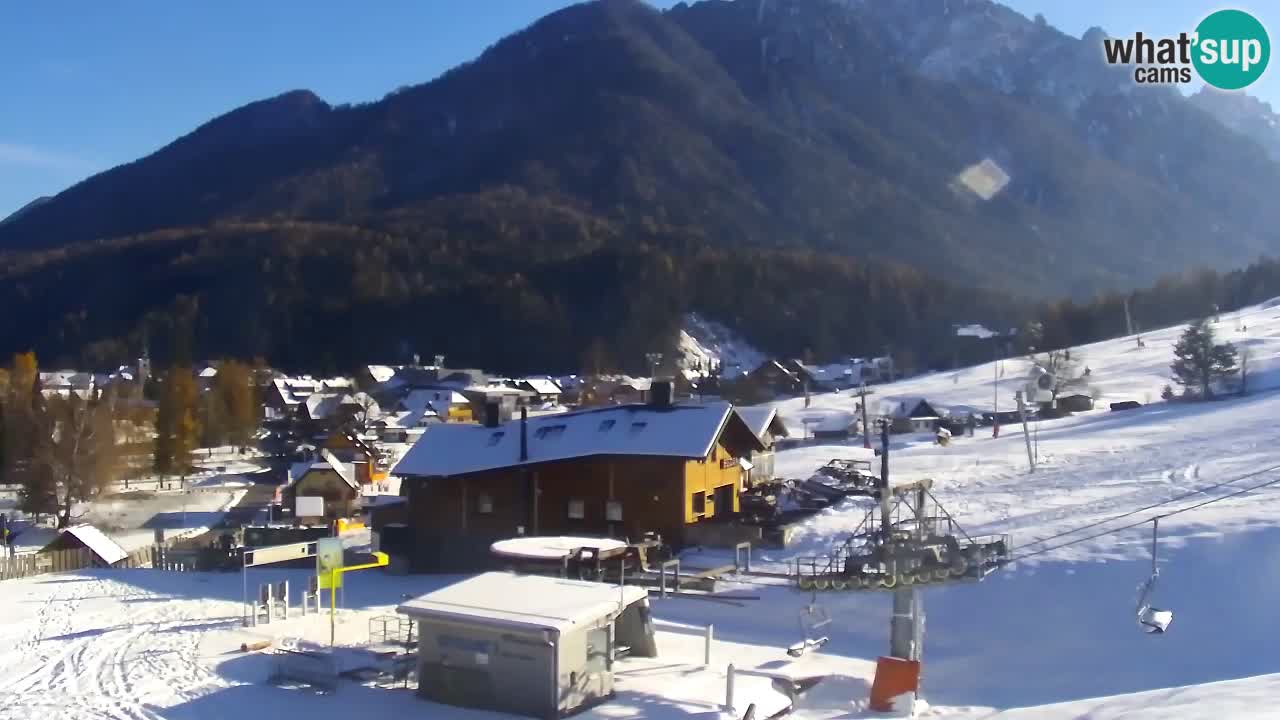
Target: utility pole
(866,428)
(995,390)
(886,522)
(1022,413)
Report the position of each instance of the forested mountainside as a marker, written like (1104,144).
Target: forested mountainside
(787,167)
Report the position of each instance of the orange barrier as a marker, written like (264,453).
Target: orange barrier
(894,677)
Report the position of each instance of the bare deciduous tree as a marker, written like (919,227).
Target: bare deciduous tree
(74,456)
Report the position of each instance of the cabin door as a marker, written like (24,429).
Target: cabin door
(724,500)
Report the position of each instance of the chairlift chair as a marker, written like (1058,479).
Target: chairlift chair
(1153,620)
(814,620)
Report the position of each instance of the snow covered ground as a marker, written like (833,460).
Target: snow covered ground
(1052,636)
(130,517)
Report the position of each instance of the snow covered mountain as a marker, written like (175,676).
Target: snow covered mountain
(705,345)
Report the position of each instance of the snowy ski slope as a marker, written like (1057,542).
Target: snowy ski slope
(1051,637)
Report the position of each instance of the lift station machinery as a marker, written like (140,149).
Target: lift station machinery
(907,540)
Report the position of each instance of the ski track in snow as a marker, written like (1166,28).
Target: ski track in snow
(98,673)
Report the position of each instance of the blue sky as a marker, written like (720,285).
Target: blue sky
(86,86)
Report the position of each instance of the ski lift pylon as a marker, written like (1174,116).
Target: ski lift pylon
(1153,620)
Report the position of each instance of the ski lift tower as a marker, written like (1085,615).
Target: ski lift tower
(906,541)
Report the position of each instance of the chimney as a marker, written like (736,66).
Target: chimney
(662,393)
(492,415)
(524,434)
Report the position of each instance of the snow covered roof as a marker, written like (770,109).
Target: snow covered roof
(285,388)
(323,405)
(381,373)
(345,471)
(98,543)
(551,548)
(424,400)
(904,407)
(820,420)
(678,431)
(494,391)
(834,372)
(542,385)
(531,602)
(760,418)
(327,461)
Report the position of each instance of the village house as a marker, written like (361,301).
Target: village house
(612,390)
(829,377)
(328,478)
(776,378)
(910,415)
(620,472)
(359,452)
(545,390)
(285,397)
(764,423)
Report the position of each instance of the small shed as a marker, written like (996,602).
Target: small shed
(1077,402)
(527,644)
(104,550)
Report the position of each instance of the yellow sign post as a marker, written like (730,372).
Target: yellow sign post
(334,579)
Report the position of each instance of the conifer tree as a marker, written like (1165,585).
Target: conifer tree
(1199,361)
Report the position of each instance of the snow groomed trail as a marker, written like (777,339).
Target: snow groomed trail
(1052,636)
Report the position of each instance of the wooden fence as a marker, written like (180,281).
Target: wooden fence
(159,557)
(40,563)
(155,557)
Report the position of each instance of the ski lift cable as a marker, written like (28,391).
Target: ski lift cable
(1153,506)
(1144,521)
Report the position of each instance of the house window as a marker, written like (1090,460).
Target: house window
(495,438)
(699,503)
(607,425)
(613,511)
(484,504)
(548,432)
(577,509)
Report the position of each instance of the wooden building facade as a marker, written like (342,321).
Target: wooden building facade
(616,472)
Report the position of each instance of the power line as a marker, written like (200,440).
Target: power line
(1153,506)
(1130,526)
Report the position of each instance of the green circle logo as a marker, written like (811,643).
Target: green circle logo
(1231,49)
